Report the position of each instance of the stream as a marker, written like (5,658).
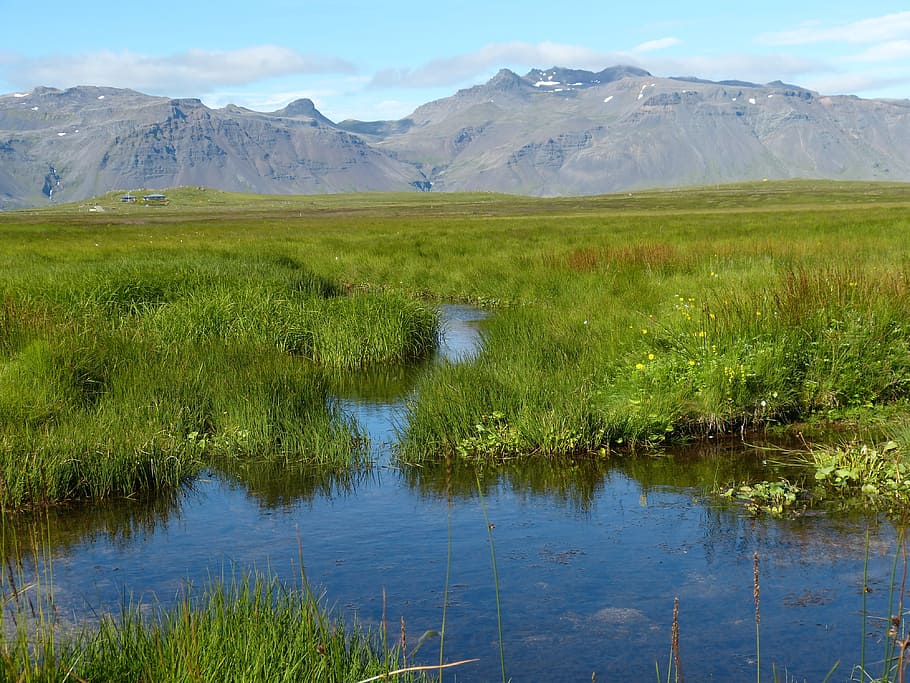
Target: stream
(589,557)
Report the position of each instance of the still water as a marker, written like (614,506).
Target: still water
(589,558)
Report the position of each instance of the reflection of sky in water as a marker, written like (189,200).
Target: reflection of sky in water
(459,342)
(460,339)
(589,565)
(582,590)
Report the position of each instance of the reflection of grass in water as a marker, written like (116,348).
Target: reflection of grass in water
(575,482)
(280,484)
(853,476)
(120,522)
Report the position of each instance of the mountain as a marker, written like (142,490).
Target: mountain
(570,132)
(77,143)
(550,132)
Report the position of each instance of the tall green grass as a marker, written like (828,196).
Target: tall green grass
(246,627)
(619,321)
(287,635)
(128,375)
(681,351)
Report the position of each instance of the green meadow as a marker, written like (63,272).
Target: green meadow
(139,344)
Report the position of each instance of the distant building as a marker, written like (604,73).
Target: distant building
(155,197)
(128,198)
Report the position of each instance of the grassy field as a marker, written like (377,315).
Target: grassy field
(140,343)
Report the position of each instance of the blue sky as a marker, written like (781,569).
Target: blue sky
(379,60)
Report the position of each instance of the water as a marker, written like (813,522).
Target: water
(590,559)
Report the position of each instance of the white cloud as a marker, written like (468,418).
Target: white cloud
(476,66)
(886,45)
(884,52)
(876,83)
(191,71)
(875,29)
(471,65)
(758,68)
(658,44)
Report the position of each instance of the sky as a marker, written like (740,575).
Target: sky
(372,60)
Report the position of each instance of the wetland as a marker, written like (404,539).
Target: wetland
(527,425)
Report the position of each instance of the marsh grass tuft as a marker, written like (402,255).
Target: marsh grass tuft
(248,627)
(287,635)
(127,376)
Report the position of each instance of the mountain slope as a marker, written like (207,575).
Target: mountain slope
(559,131)
(73,144)
(551,132)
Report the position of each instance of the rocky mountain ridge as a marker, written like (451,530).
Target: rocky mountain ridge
(550,132)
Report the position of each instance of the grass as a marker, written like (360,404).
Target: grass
(287,634)
(143,343)
(128,374)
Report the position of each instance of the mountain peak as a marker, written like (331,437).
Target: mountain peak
(304,107)
(560,78)
(505,80)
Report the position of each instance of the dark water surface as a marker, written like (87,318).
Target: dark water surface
(589,558)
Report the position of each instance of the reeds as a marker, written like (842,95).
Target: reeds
(490,527)
(896,657)
(674,667)
(28,615)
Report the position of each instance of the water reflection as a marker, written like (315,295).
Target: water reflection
(275,485)
(590,558)
(590,555)
(704,466)
(570,483)
(378,385)
(375,399)
(577,482)
(118,523)
(461,334)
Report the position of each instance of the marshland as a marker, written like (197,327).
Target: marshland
(339,436)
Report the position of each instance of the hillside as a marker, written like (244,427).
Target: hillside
(549,133)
